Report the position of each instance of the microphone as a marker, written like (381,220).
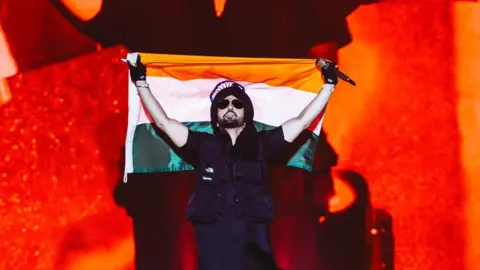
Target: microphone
(323,63)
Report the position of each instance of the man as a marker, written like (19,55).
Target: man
(247,28)
(231,207)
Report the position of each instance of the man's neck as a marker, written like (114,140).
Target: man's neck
(234,133)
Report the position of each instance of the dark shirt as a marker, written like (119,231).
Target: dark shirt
(225,175)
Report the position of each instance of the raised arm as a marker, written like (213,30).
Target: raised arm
(176,131)
(294,127)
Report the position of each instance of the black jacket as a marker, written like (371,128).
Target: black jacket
(221,167)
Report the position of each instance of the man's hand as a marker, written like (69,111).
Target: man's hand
(176,131)
(329,71)
(137,72)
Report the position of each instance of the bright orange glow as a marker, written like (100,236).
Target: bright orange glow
(402,118)
(85,10)
(8,67)
(219,7)
(5,94)
(120,256)
(343,198)
(467,50)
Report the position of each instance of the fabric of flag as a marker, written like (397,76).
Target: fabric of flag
(279,89)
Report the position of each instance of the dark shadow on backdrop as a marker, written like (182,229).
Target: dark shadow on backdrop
(268,28)
(360,237)
(343,236)
(383,241)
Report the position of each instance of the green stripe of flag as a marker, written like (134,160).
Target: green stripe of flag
(151,152)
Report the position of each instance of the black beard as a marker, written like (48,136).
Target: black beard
(228,121)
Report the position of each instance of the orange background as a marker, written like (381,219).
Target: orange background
(410,127)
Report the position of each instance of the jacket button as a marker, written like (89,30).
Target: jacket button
(237,200)
(219,195)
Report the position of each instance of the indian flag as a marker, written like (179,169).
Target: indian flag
(279,89)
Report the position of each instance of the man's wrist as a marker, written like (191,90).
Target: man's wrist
(141,84)
(328,86)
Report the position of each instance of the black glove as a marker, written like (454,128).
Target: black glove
(138,72)
(329,71)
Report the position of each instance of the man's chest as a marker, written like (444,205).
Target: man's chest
(219,163)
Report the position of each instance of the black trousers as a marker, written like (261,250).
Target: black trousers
(233,244)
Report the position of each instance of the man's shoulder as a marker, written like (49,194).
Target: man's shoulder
(270,131)
(201,136)
(196,141)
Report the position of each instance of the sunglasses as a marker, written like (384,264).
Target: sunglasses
(235,102)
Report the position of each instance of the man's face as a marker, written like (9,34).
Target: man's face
(231,113)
